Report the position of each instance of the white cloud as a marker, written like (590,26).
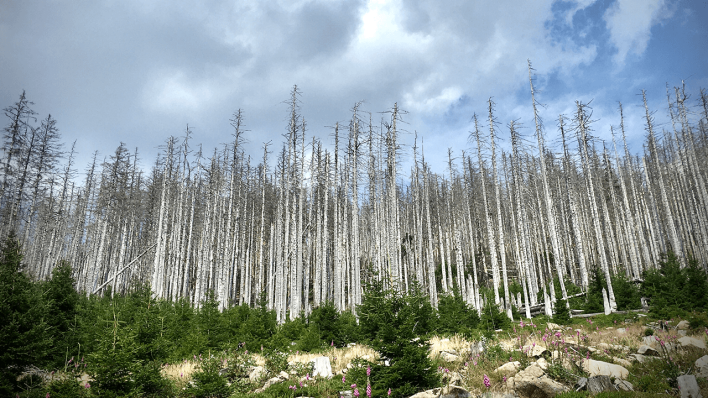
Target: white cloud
(630,23)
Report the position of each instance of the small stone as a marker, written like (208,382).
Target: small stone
(688,386)
(448,357)
(509,368)
(623,385)
(534,351)
(553,326)
(598,384)
(581,384)
(621,330)
(283,375)
(622,362)
(683,325)
(638,357)
(256,374)
(542,363)
(531,372)
(647,351)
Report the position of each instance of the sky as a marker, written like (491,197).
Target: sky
(138,71)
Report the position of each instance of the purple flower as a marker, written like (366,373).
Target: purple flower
(368,390)
(368,371)
(487,383)
(389,392)
(344,379)
(87,385)
(356,392)
(353,386)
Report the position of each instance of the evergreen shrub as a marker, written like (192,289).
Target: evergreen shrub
(455,316)
(397,325)
(24,333)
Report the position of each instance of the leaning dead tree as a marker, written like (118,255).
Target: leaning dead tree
(307,225)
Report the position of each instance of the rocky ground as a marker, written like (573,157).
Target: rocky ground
(540,360)
(544,360)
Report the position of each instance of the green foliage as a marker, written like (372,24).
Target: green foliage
(207,381)
(561,315)
(455,316)
(275,361)
(130,345)
(65,388)
(62,301)
(288,333)
(595,301)
(627,294)
(557,372)
(310,339)
(573,394)
(493,318)
(24,333)
(648,332)
(392,322)
(675,291)
(334,327)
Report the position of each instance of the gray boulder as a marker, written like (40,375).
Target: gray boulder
(702,367)
(256,374)
(683,325)
(600,368)
(445,392)
(598,384)
(692,342)
(623,385)
(647,351)
(688,386)
(532,382)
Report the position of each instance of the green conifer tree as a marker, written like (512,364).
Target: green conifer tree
(24,333)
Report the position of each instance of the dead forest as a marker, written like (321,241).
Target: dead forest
(310,222)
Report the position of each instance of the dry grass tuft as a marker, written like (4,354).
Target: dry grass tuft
(455,343)
(180,372)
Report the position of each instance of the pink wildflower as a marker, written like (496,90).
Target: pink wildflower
(368,390)
(87,385)
(487,383)
(356,392)
(344,379)
(389,392)
(353,386)
(368,371)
